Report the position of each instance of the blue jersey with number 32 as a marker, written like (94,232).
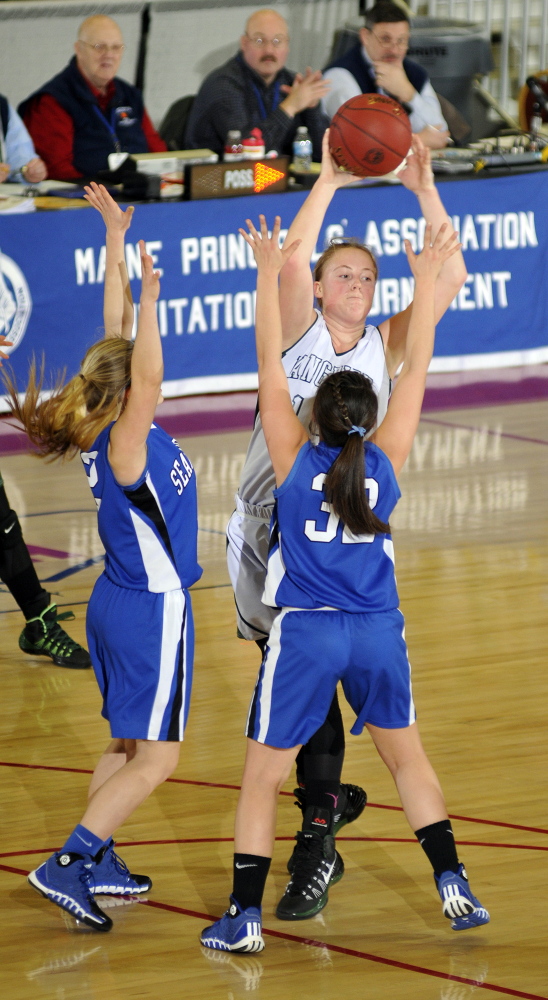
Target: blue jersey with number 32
(149,529)
(314,560)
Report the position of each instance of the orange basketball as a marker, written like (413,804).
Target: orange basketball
(370,135)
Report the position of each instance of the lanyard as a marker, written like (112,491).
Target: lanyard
(110,126)
(260,101)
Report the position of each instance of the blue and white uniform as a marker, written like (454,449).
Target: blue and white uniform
(139,621)
(340,619)
(306,364)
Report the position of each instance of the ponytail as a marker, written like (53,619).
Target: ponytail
(345,409)
(74,414)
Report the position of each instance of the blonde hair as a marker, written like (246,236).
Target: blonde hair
(340,244)
(76,412)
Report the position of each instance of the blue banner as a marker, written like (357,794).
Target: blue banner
(52,274)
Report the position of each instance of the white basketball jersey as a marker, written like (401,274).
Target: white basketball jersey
(306,363)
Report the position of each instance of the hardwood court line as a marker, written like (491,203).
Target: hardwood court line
(24,852)
(499,433)
(236,788)
(338,949)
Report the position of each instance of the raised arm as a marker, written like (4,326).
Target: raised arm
(397,431)
(117,297)
(127,451)
(296,284)
(283,431)
(418,177)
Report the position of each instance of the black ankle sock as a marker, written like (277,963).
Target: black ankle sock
(438,843)
(250,871)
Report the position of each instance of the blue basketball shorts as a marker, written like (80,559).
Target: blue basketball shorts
(141,646)
(309,652)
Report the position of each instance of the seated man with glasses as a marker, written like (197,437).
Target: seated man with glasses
(255,90)
(378,64)
(86,111)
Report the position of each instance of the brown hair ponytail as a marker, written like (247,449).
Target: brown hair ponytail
(346,400)
(75,412)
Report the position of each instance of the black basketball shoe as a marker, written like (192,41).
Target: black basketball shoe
(313,863)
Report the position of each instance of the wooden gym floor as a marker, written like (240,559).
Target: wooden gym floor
(472,557)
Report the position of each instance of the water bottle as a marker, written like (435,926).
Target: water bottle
(233,146)
(302,150)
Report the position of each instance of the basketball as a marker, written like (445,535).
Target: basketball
(370,135)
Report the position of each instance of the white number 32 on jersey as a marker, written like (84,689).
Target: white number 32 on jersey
(316,534)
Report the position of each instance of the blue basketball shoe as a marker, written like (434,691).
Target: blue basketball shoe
(111,875)
(459,905)
(237,930)
(66,879)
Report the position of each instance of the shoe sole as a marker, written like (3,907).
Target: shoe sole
(57,660)
(252,943)
(69,904)
(478,918)
(309,913)
(116,890)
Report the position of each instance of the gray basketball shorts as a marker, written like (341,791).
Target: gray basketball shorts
(247,557)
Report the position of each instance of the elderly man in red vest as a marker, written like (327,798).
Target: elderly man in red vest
(86,111)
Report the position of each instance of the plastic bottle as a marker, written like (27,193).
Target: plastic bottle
(233,146)
(302,149)
(253,146)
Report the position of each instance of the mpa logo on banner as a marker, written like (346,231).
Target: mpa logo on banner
(15,302)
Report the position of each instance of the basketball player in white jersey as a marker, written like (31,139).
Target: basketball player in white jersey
(317,341)
(331,578)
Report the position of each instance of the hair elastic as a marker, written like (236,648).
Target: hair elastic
(357,430)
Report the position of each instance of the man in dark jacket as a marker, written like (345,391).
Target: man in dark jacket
(86,111)
(378,64)
(255,90)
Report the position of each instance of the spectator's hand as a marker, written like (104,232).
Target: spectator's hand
(115,220)
(305,92)
(417,175)
(330,172)
(5,171)
(434,136)
(391,77)
(150,279)
(35,170)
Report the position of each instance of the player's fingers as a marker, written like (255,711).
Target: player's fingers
(247,237)
(264,229)
(276,229)
(252,229)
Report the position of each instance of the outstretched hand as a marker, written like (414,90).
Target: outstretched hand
(429,262)
(330,170)
(150,279)
(115,220)
(268,253)
(417,175)
(4,343)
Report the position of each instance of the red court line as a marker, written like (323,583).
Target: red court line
(365,956)
(230,840)
(236,788)
(338,949)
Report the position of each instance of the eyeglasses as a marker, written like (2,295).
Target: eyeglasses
(259,41)
(101,48)
(388,42)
